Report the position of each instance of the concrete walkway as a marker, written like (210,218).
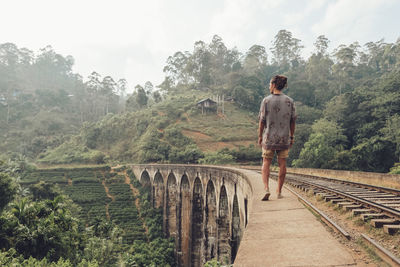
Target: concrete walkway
(282,232)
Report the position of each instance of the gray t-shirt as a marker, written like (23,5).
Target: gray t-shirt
(277,111)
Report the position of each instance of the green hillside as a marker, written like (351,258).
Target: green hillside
(174,130)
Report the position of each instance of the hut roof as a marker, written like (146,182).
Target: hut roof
(205,100)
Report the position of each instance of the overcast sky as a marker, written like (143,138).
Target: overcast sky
(132,39)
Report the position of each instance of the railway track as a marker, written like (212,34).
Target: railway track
(379,205)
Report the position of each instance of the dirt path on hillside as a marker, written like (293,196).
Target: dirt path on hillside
(187,117)
(196,135)
(136,194)
(109,196)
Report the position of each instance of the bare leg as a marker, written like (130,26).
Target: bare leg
(265,172)
(282,174)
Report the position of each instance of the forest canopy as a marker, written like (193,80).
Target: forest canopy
(347,99)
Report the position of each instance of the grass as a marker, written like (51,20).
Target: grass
(209,129)
(357,221)
(339,209)
(310,193)
(371,252)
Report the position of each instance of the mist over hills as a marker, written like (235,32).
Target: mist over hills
(347,102)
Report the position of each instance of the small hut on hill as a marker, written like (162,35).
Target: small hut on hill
(207,105)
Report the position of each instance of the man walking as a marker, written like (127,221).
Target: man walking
(276,131)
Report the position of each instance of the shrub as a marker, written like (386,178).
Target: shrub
(190,154)
(217,158)
(72,152)
(250,153)
(7,189)
(395,169)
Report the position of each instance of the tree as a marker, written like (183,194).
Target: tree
(303,92)
(318,71)
(157,96)
(93,87)
(44,190)
(108,90)
(256,59)
(286,49)
(321,45)
(7,190)
(175,68)
(201,64)
(122,85)
(391,132)
(344,68)
(141,96)
(148,88)
(326,140)
(248,93)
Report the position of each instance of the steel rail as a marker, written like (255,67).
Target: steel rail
(323,217)
(381,188)
(376,206)
(383,253)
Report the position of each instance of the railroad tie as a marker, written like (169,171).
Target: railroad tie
(391,229)
(345,203)
(352,207)
(327,199)
(338,200)
(378,223)
(369,216)
(360,211)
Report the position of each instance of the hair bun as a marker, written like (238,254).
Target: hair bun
(280,81)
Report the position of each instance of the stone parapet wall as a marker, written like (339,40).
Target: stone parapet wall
(383,179)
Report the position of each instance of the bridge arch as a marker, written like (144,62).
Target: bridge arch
(184,222)
(210,229)
(197,224)
(224,248)
(145,178)
(235,222)
(171,201)
(146,183)
(188,189)
(158,191)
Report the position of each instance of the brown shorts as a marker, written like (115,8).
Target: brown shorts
(269,153)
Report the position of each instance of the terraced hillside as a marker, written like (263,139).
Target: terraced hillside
(102,192)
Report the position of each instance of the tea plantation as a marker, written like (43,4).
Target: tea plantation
(87,188)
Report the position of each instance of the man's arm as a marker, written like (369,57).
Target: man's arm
(292,128)
(261,127)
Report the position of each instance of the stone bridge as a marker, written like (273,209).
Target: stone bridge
(205,208)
